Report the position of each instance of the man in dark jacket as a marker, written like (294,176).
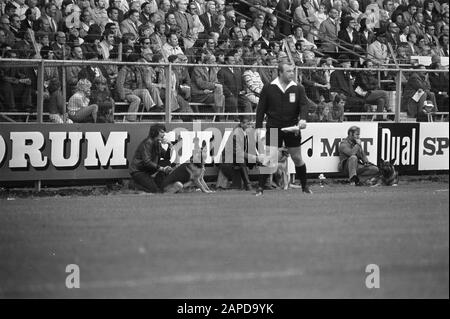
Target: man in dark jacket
(145,168)
(341,82)
(284,103)
(233,89)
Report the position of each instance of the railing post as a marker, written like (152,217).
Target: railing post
(168,92)
(40,91)
(398,97)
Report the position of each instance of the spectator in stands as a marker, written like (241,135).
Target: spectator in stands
(416,92)
(53,16)
(193,10)
(268,75)
(403,34)
(56,103)
(408,16)
(256,30)
(443,45)
(342,83)
(15,26)
(205,86)
(61,49)
(233,88)
(184,20)
(377,51)
(131,88)
(113,17)
(430,37)
(131,24)
(158,38)
(101,96)
(393,35)
(50,72)
(349,39)
(79,108)
(5,26)
(329,29)
(353,10)
(29,22)
(314,81)
(418,27)
(252,81)
(353,160)
(86,22)
(370,90)
(208,19)
(337,109)
(242,24)
(304,15)
(72,71)
(99,14)
(171,47)
(145,169)
(439,84)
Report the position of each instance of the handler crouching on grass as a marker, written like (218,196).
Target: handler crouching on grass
(285,104)
(145,170)
(352,159)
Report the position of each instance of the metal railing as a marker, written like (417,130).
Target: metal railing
(40,65)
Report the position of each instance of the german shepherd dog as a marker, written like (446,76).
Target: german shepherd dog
(281,177)
(388,174)
(190,173)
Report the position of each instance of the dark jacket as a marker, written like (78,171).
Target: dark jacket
(341,83)
(232,81)
(366,81)
(283,109)
(147,157)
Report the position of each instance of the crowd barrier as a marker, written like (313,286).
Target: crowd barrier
(37,152)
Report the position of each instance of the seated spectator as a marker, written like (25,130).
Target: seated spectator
(353,160)
(342,83)
(131,23)
(256,30)
(329,30)
(443,45)
(268,75)
(337,109)
(205,85)
(158,38)
(145,169)
(252,81)
(368,88)
(56,103)
(323,112)
(304,16)
(314,81)
(439,84)
(233,88)
(101,96)
(416,92)
(79,108)
(377,51)
(130,87)
(61,49)
(171,47)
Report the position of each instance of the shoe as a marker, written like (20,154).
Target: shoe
(354,181)
(174,188)
(259,191)
(306,190)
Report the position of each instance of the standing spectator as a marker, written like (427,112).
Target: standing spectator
(252,80)
(349,39)
(184,20)
(418,26)
(208,19)
(408,16)
(329,29)
(304,15)
(233,89)
(73,70)
(158,38)
(131,88)
(256,30)
(99,14)
(393,35)
(79,108)
(430,37)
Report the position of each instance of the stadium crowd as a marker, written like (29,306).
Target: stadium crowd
(313,33)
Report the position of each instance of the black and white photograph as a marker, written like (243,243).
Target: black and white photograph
(224,155)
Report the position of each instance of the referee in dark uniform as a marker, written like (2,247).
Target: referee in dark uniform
(284,103)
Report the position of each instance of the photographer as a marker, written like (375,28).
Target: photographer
(352,159)
(144,168)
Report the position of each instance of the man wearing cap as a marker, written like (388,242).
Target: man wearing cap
(352,158)
(284,103)
(377,51)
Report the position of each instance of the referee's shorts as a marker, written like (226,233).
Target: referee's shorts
(290,139)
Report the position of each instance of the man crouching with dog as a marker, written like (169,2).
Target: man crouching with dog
(284,103)
(145,168)
(352,160)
